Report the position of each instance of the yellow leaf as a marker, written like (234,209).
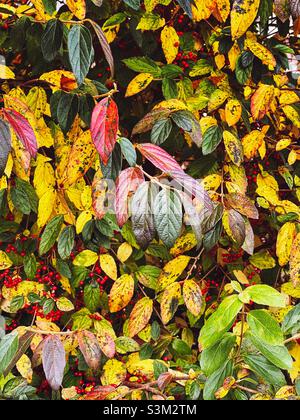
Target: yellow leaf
(46,205)
(5,261)
(172,105)
(124,251)
(24,367)
(233,147)
(169,302)
(192,297)
(114,373)
(252,142)
(121,293)
(23,288)
(6,72)
(150,22)
(56,77)
(284,242)
(82,220)
(288,97)
(171,271)
(184,243)
(260,52)
(217,98)
(203,9)
(77,7)
(108,265)
(212,182)
(86,258)
(37,101)
(44,178)
(285,392)
(139,83)
(292,157)
(170,43)
(64,304)
(289,289)
(233,55)
(111,32)
(241,277)
(295,353)
(263,101)
(295,261)
(223,7)
(86,197)
(243,14)
(292,114)
(206,123)
(283,144)
(268,188)
(140,316)
(233,112)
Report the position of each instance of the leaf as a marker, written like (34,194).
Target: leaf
(285,239)
(278,355)
(264,327)
(242,16)
(139,83)
(114,373)
(126,184)
(5,261)
(220,321)
(124,252)
(64,304)
(263,368)
(23,345)
(161,131)
(50,234)
(81,51)
(104,127)
(216,380)
(211,139)
(262,101)
(46,204)
(54,361)
(170,301)
(5,145)
(51,40)
(282,9)
(170,43)
(142,215)
(184,243)
(66,242)
(167,211)
(143,65)
(159,158)
(233,112)
(242,204)
(187,122)
(215,356)
(108,265)
(24,367)
(128,151)
(150,22)
(262,260)
(77,7)
(23,130)
(107,344)
(8,348)
(234,226)
(295,262)
(85,258)
(171,271)
(192,297)
(121,293)
(90,349)
(261,52)
(265,295)
(92,296)
(186,6)
(233,147)
(140,316)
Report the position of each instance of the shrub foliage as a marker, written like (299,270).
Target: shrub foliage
(149,199)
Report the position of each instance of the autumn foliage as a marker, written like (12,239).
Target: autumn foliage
(149,199)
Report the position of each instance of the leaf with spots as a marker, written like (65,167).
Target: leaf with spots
(140,316)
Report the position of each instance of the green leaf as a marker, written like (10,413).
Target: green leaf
(50,234)
(66,242)
(291,322)
(67,109)
(211,139)
(169,88)
(16,303)
(81,51)
(82,320)
(161,131)
(24,197)
(51,40)
(126,345)
(147,275)
(265,369)
(135,4)
(92,297)
(142,217)
(5,145)
(128,151)
(215,381)
(278,355)
(30,266)
(168,216)
(181,347)
(188,123)
(215,356)
(264,295)
(48,306)
(8,348)
(220,321)
(264,327)
(143,65)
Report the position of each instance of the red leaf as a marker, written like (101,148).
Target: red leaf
(99,393)
(159,158)
(22,129)
(54,361)
(126,183)
(104,127)
(90,349)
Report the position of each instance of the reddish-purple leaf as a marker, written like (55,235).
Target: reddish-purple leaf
(126,184)
(159,158)
(107,344)
(99,393)
(54,361)
(105,46)
(104,127)
(90,349)
(23,130)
